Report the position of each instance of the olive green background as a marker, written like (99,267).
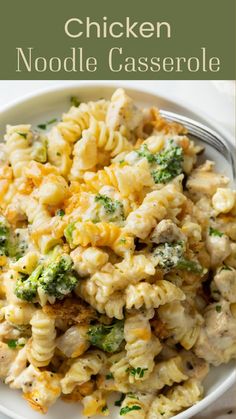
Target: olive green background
(194,23)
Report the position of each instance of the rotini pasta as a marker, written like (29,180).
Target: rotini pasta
(141,346)
(176,399)
(42,346)
(117,258)
(156,206)
(152,295)
(82,369)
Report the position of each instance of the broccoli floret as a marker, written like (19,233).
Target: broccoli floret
(4,236)
(26,287)
(107,338)
(144,152)
(69,231)
(114,209)
(9,243)
(171,255)
(170,163)
(189,265)
(58,279)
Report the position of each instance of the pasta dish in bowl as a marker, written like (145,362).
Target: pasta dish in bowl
(118,261)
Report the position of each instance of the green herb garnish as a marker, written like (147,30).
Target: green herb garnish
(137,371)
(12,343)
(132,396)
(104,408)
(15,343)
(74,101)
(226,268)
(23,134)
(214,232)
(44,126)
(60,212)
(218,308)
(119,402)
(128,409)
(109,376)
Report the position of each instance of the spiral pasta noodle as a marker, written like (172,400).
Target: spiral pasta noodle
(175,400)
(81,370)
(117,258)
(42,346)
(152,295)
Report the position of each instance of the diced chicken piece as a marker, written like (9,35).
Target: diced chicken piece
(217,340)
(41,388)
(167,231)
(218,247)
(224,200)
(225,282)
(227,224)
(74,342)
(194,367)
(122,112)
(7,357)
(18,365)
(204,181)
(7,330)
(231,260)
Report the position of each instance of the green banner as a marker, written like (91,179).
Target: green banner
(125,39)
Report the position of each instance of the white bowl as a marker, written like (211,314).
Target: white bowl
(49,104)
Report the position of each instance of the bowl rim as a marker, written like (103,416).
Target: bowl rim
(126,84)
(218,130)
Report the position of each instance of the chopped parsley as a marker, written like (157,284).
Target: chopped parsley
(23,134)
(109,376)
(226,268)
(60,212)
(118,402)
(214,232)
(104,408)
(128,409)
(218,309)
(139,372)
(44,126)
(132,396)
(74,101)
(14,343)
(96,220)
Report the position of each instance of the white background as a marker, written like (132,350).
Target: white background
(212,100)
